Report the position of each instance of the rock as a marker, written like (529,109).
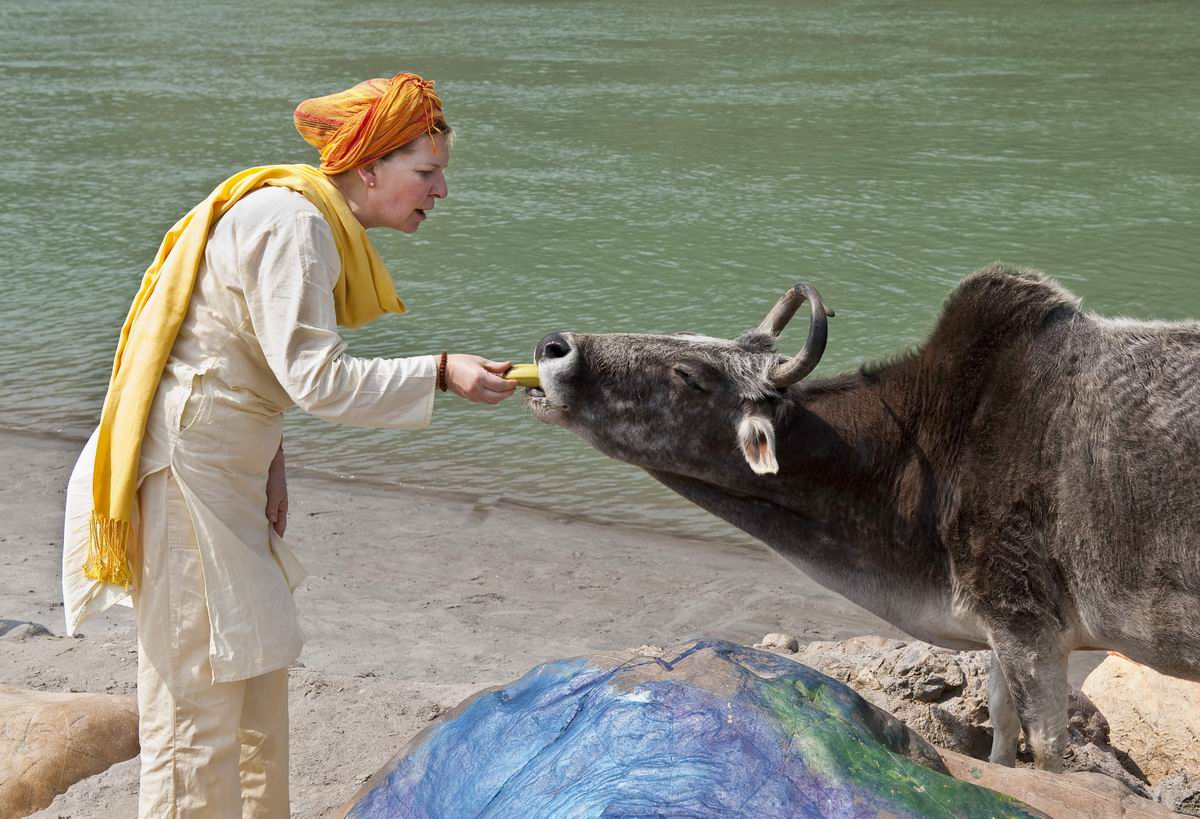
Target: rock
(22,630)
(708,729)
(648,651)
(1089,749)
(1062,796)
(48,742)
(1152,717)
(942,695)
(779,642)
(1181,793)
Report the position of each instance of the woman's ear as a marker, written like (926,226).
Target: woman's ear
(366,172)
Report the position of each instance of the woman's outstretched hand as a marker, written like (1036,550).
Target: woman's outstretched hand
(478,379)
(277,502)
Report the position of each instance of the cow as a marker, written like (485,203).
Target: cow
(1026,480)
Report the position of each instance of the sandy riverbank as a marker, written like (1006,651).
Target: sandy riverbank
(414,600)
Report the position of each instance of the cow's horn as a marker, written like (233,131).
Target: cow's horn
(788,372)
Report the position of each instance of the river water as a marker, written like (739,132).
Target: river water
(645,167)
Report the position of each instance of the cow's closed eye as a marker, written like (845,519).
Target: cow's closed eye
(689,377)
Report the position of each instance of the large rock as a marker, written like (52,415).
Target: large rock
(942,695)
(48,742)
(706,730)
(21,630)
(1152,717)
(1180,792)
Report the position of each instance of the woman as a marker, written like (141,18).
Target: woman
(178,503)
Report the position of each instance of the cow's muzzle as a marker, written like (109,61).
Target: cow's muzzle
(553,346)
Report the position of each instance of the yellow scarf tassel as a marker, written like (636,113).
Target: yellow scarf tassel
(106,558)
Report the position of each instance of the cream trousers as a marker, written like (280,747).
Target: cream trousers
(208,749)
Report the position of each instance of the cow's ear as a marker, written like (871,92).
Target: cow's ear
(756,436)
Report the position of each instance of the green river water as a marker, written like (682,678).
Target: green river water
(646,167)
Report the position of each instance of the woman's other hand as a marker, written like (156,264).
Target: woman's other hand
(478,379)
(277,501)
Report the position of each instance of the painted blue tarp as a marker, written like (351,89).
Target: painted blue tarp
(714,730)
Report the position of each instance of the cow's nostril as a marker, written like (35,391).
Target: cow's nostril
(554,345)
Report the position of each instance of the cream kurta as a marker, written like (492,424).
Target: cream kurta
(260,337)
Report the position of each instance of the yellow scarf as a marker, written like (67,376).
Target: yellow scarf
(363,292)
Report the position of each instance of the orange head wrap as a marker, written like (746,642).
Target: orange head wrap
(369,120)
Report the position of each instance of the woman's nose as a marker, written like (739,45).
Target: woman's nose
(439,189)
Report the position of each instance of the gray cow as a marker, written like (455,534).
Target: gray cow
(1028,479)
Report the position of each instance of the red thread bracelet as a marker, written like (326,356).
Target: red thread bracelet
(441,372)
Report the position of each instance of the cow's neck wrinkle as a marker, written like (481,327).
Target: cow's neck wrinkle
(855,504)
(912,594)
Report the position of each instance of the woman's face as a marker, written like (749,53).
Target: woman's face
(403,188)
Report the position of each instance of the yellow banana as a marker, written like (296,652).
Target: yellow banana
(524,374)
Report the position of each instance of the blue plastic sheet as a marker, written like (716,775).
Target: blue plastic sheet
(716,730)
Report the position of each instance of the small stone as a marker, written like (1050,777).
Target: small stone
(431,711)
(862,678)
(777,641)
(953,675)
(930,689)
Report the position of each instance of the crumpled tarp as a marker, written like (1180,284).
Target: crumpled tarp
(713,729)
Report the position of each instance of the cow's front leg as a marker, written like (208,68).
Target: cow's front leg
(1035,670)
(1006,725)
